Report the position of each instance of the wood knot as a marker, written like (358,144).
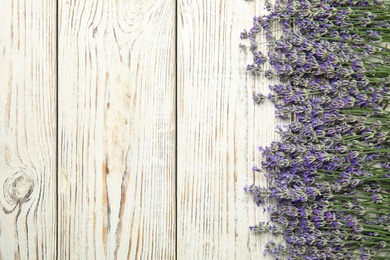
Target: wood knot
(18,188)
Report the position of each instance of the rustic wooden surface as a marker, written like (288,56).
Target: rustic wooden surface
(117,130)
(27,129)
(219,130)
(155,143)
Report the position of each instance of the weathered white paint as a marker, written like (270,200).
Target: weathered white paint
(27,129)
(117,129)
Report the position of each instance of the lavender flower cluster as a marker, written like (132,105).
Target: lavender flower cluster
(329,174)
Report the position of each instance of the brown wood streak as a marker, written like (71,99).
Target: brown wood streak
(27,129)
(125,182)
(105,205)
(116,97)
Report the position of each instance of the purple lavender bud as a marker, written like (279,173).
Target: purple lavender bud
(259,98)
(269,74)
(272,97)
(244,34)
(256,169)
(354,154)
(250,67)
(355,183)
(377,198)
(357,229)
(268,6)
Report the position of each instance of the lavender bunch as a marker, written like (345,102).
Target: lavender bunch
(329,174)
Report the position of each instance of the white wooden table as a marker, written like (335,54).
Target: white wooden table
(128,130)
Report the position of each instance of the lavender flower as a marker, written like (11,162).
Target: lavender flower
(330,171)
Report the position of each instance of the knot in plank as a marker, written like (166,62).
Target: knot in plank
(18,188)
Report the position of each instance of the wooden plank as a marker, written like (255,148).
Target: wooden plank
(28,129)
(117,129)
(219,130)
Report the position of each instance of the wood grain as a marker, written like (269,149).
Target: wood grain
(27,129)
(117,129)
(219,130)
